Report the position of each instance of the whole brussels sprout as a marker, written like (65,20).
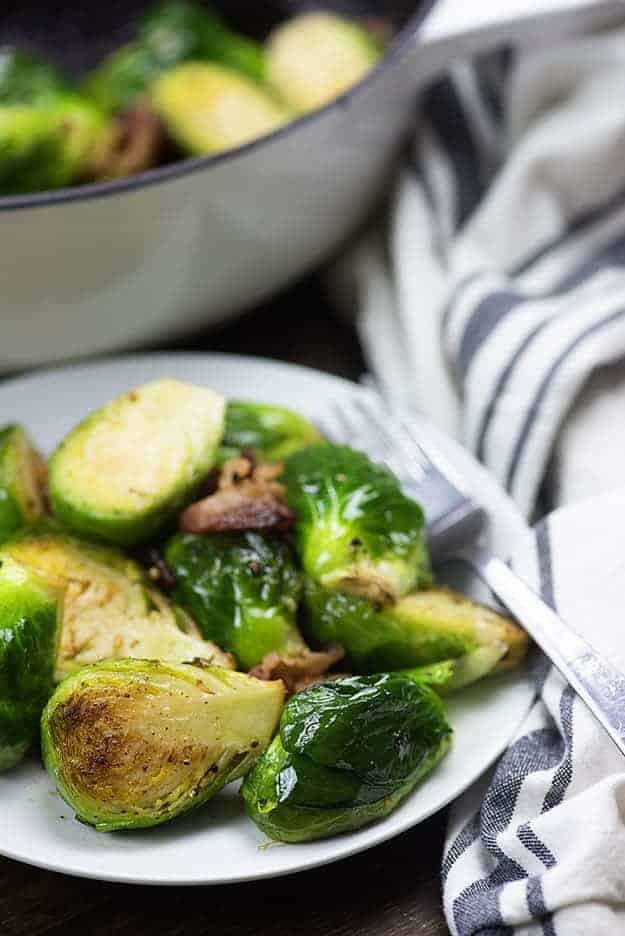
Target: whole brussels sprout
(124,472)
(208,108)
(356,531)
(31,151)
(424,627)
(48,133)
(270,432)
(347,753)
(21,480)
(242,589)
(134,743)
(172,32)
(315,57)
(28,639)
(108,609)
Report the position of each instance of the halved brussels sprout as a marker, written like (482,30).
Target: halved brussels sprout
(425,627)
(29,612)
(22,473)
(315,57)
(242,589)
(172,32)
(270,432)
(347,753)
(109,610)
(208,108)
(134,743)
(123,473)
(356,532)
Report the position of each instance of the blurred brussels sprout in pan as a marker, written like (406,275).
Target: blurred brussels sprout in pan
(270,432)
(424,627)
(123,473)
(172,32)
(315,57)
(27,79)
(179,30)
(22,477)
(29,626)
(242,589)
(208,108)
(134,743)
(347,753)
(357,531)
(109,608)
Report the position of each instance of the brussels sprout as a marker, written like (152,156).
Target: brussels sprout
(46,147)
(208,108)
(47,132)
(31,151)
(313,58)
(109,610)
(347,753)
(27,79)
(121,78)
(134,743)
(271,432)
(425,627)
(125,471)
(171,33)
(21,479)
(178,30)
(242,589)
(356,531)
(28,640)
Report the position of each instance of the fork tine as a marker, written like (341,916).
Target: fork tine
(412,456)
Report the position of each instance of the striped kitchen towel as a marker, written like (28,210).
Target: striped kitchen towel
(499,297)
(495,302)
(537,848)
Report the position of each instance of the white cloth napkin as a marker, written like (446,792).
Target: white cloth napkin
(495,303)
(500,292)
(537,848)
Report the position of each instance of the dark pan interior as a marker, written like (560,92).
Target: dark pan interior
(77,34)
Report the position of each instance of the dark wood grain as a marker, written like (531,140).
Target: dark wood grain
(392,890)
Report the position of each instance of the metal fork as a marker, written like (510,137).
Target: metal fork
(456,526)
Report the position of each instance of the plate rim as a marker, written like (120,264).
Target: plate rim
(378,833)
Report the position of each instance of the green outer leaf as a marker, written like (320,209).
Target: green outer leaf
(272,432)
(28,640)
(118,678)
(293,797)
(28,79)
(17,506)
(171,33)
(179,30)
(241,589)
(374,726)
(356,529)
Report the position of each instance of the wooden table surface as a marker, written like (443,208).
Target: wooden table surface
(392,890)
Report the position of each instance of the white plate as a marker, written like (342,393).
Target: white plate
(218,844)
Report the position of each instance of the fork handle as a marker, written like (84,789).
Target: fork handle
(596,681)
